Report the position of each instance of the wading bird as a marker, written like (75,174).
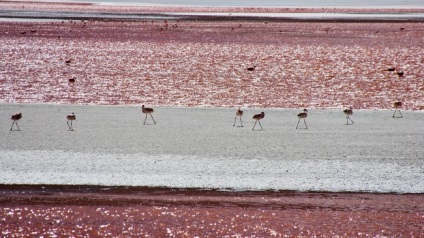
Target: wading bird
(251,68)
(239,113)
(348,112)
(397,105)
(258,117)
(71,117)
(303,116)
(146,111)
(15,118)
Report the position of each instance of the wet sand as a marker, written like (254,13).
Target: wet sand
(203,63)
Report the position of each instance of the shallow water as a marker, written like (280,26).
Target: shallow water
(57,211)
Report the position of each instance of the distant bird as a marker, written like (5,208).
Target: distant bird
(15,118)
(348,112)
(68,62)
(397,105)
(239,113)
(400,73)
(303,116)
(146,111)
(391,69)
(23,32)
(258,117)
(72,80)
(71,117)
(251,68)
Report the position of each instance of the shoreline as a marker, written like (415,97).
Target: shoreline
(89,11)
(87,189)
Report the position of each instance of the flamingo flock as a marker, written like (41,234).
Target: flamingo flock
(239,113)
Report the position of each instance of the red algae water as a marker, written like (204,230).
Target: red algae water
(56,211)
(204,63)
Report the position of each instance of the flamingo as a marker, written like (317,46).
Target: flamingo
(15,118)
(146,111)
(239,113)
(397,105)
(258,117)
(71,117)
(348,112)
(251,68)
(303,116)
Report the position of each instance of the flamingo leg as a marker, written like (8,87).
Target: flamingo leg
(241,122)
(254,125)
(152,118)
(235,119)
(15,122)
(399,113)
(304,120)
(145,120)
(70,126)
(347,120)
(297,123)
(260,125)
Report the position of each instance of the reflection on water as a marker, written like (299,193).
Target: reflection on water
(160,212)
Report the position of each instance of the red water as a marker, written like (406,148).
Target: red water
(57,211)
(204,63)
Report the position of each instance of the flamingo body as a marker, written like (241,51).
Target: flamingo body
(15,118)
(70,117)
(147,111)
(258,117)
(348,112)
(239,113)
(303,115)
(397,105)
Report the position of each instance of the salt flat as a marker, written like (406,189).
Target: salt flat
(199,147)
